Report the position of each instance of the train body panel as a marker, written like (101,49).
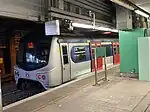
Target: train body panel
(55,64)
(40,75)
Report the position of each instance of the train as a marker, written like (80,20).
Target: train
(50,61)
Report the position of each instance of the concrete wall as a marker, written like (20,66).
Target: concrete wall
(104,11)
(22,9)
(32,9)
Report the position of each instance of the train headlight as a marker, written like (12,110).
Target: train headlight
(43,77)
(16,73)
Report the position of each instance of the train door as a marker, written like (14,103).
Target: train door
(93,46)
(116,53)
(65,55)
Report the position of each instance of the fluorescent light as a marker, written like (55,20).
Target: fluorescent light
(78,25)
(141,13)
(115,30)
(123,4)
(82,26)
(107,29)
(103,29)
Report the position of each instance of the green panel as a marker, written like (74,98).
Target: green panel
(143,54)
(101,51)
(129,50)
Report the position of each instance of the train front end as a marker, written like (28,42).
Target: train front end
(32,63)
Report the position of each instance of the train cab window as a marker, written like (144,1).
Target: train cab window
(65,54)
(33,54)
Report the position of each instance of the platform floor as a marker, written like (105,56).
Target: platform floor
(119,94)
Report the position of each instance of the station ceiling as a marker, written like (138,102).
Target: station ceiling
(144,4)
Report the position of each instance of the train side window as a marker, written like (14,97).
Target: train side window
(65,59)
(64,49)
(80,53)
(65,54)
(108,50)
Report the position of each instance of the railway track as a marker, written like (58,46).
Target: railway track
(11,94)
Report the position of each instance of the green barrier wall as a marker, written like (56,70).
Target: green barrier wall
(128,41)
(144,58)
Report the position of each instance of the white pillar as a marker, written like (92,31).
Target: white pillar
(1,109)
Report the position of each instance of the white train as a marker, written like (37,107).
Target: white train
(52,61)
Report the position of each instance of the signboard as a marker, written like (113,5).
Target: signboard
(101,51)
(52,28)
(30,45)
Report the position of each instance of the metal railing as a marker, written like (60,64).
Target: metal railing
(96,72)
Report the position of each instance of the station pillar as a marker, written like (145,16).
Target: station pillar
(14,43)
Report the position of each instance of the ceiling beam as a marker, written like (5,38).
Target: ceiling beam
(144,3)
(130,3)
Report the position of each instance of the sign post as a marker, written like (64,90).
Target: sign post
(95,63)
(1,108)
(100,52)
(105,67)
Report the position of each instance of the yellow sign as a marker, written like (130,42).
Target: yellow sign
(1,60)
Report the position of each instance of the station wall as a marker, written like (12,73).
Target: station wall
(78,11)
(22,9)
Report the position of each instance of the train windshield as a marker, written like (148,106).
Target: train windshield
(33,54)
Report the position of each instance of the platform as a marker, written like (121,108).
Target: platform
(119,94)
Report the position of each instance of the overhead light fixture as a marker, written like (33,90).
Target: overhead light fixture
(114,30)
(107,29)
(123,4)
(78,25)
(82,26)
(103,29)
(142,13)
